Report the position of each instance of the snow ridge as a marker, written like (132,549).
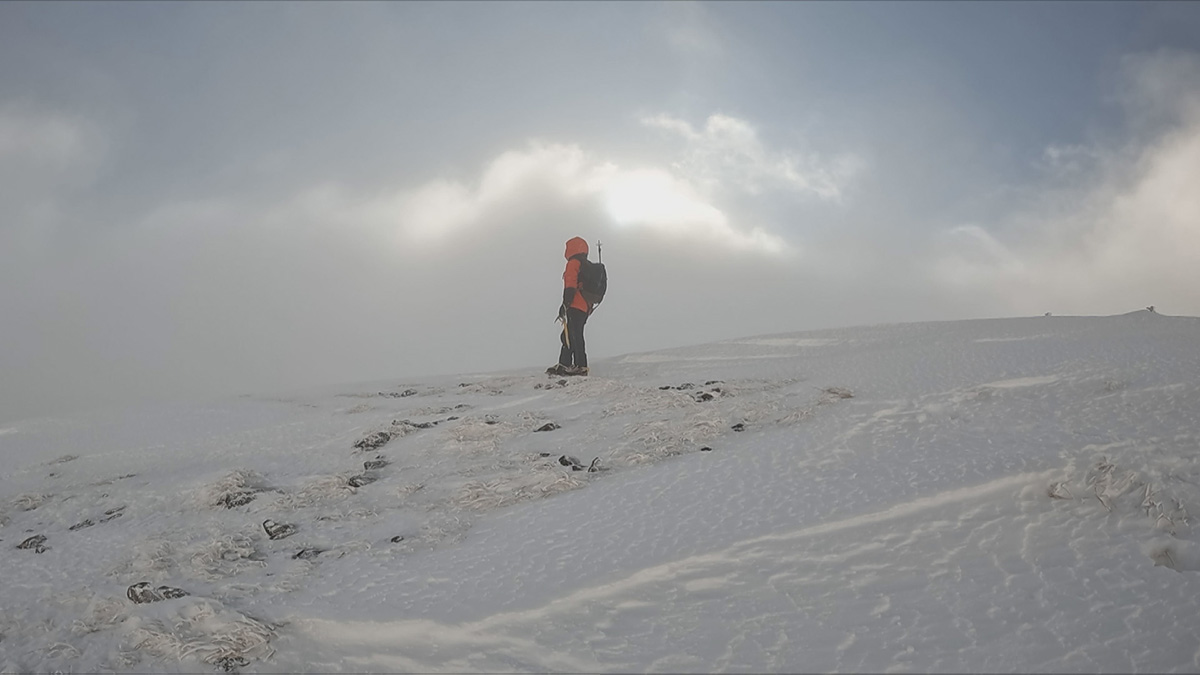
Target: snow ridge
(948,490)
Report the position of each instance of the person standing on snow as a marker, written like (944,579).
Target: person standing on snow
(573,312)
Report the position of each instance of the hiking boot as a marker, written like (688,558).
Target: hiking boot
(575,370)
(556,369)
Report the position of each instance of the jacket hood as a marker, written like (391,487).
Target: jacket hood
(575,246)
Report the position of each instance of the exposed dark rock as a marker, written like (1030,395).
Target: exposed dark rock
(549,426)
(377,463)
(169,593)
(36,543)
(278,530)
(141,593)
(373,440)
(230,664)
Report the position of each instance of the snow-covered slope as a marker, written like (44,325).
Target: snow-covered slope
(968,496)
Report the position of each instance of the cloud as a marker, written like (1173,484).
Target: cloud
(44,154)
(41,138)
(442,212)
(1131,236)
(728,152)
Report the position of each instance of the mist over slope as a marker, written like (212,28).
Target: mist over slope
(1008,494)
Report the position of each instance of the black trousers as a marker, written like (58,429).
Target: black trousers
(573,351)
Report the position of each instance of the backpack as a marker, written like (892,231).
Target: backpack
(593,281)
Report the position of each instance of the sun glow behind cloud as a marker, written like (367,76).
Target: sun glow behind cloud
(652,199)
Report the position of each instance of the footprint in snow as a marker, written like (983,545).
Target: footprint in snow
(113,513)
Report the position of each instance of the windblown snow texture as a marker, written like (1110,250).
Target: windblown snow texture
(1001,495)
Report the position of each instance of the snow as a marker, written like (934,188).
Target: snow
(974,496)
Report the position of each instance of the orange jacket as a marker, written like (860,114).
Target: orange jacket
(575,247)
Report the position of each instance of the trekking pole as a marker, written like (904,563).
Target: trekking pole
(599,251)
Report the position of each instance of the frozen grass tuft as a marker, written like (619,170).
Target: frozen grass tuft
(322,489)
(29,502)
(101,613)
(668,437)
(355,513)
(1156,493)
(214,635)
(481,431)
(224,556)
(836,393)
(444,528)
(228,489)
(152,559)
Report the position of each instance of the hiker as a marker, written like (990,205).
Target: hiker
(573,312)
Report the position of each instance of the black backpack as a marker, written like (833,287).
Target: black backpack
(593,281)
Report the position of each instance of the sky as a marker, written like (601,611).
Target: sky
(209,199)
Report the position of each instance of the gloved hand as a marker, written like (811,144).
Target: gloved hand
(562,312)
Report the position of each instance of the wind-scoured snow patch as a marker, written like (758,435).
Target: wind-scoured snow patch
(485,495)
(1012,339)
(788,342)
(828,395)
(701,358)
(1019,382)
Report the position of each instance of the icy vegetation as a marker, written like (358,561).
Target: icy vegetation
(975,496)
